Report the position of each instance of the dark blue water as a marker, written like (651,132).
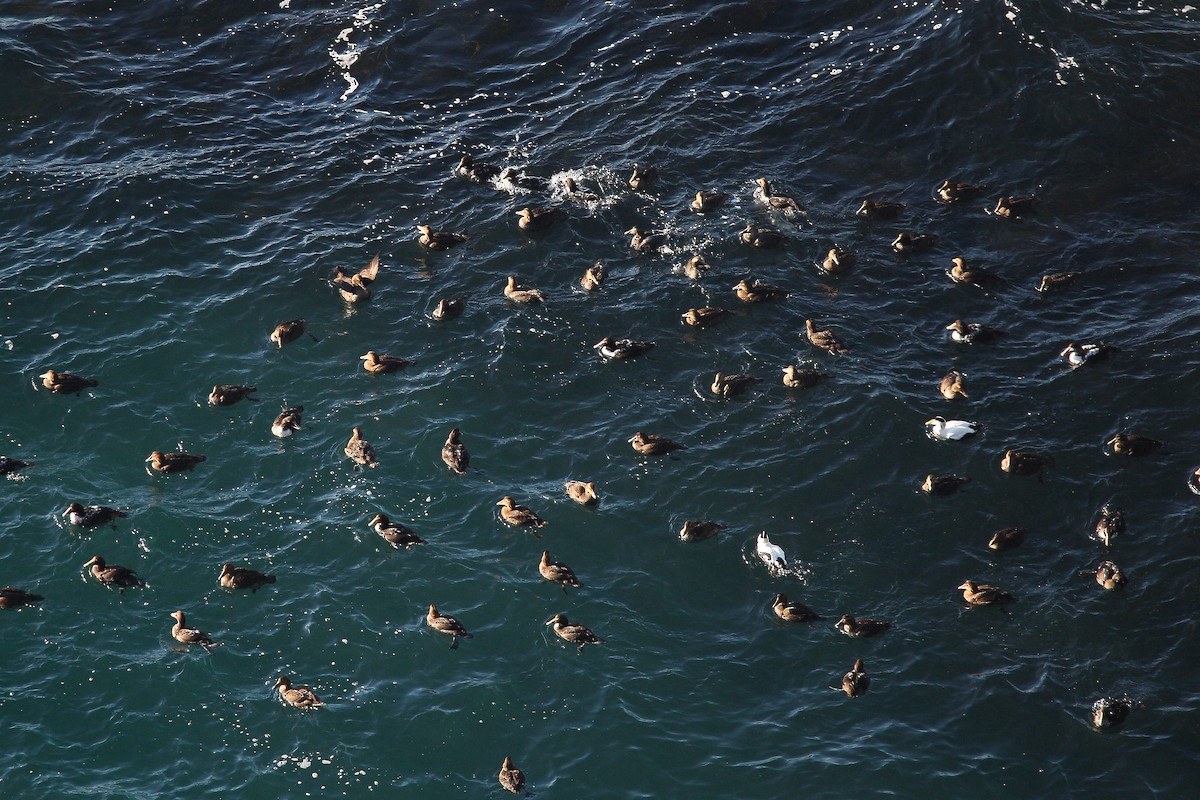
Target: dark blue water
(180,178)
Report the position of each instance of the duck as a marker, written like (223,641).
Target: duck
(952,191)
(981,594)
(243,578)
(643,177)
(538,219)
(880,209)
(765,238)
(644,242)
(1022,462)
(572,632)
(449,308)
(1111,523)
(440,240)
(92,516)
(706,201)
(942,485)
(622,349)
(12,597)
(354,287)
(185,635)
(360,451)
(557,572)
(296,696)
(288,332)
(757,292)
(572,191)
(378,364)
(394,533)
(519,180)
(695,267)
(961,272)
(973,332)
(511,778)
(856,682)
(518,515)
(228,395)
(779,202)
(444,623)
(861,626)
(582,492)
(1057,281)
(521,294)
(114,574)
(792,611)
(1078,354)
(801,378)
(1007,539)
(10,466)
(697,530)
(174,461)
(730,385)
(771,554)
(1132,444)
(908,243)
(650,444)
(951,385)
(475,171)
(454,453)
(1013,206)
(949,430)
(65,382)
(1110,576)
(704,317)
(287,421)
(1111,712)
(838,259)
(824,339)
(593,277)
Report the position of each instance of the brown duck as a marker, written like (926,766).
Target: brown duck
(880,209)
(1110,576)
(792,611)
(572,632)
(1021,462)
(593,277)
(643,177)
(779,202)
(1057,281)
(697,530)
(12,597)
(909,243)
(444,623)
(824,339)
(856,682)
(65,382)
(518,515)
(706,201)
(10,466)
(972,332)
(583,492)
(981,594)
(800,378)
(454,453)
(942,485)
(952,191)
(756,292)
(521,294)
(763,238)
(650,444)
(704,317)
(185,635)
(538,219)
(644,242)
(114,574)
(288,332)
(511,778)
(359,450)
(440,240)
(394,533)
(1131,444)
(557,572)
(1014,207)
(952,387)
(961,272)
(449,308)
(861,626)
(838,259)
(1111,524)
(354,287)
(296,696)
(730,385)
(174,461)
(230,394)
(379,364)
(243,578)
(695,267)
(1007,538)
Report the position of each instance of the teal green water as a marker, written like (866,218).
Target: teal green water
(177,181)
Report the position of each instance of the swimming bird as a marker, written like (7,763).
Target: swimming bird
(1110,576)
(762,237)
(949,430)
(557,572)
(643,177)
(1022,462)
(243,578)
(444,623)
(449,308)
(1132,444)
(961,272)
(953,191)
(1007,538)
(454,453)
(942,485)
(838,259)
(771,554)
(695,267)
(394,533)
(521,294)
(650,444)
(792,611)
(296,696)
(1110,524)
(378,364)
(856,682)
(697,530)
(644,242)
(972,332)
(572,191)
(779,202)
(360,451)
(583,492)
(861,626)
(880,209)
(519,515)
(65,382)
(185,635)
(440,240)
(92,516)
(951,385)
(511,778)
(908,243)
(981,594)
(12,597)
(824,339)
(706,201)
(519,180)
(1111,712)
(730,385)
(1014,207)
(354,287)
(1078,354)
(286,421)
(704,317)
(756,292)
(288,332)
(475,171)
(10,466)
(114,574)
(1056,281)
(174,461)
(228,395)
(538,219)
(572,632)
(801,378)
(593,277)
(622,349)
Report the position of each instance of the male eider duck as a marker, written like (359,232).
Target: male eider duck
(949,430)
(538,219)
(10,466)
(907,243)
(861,626)
(650,444)
(1007,538)
(228,395)
(824,339)
(454,453)
(981,594)
(642,177)
(1013,207)
(779,202)
(92,516)
(1110,576)
(449,308)
(519,515)
(444,623)
(972,332)
(838,259)
(951,385)
(360,451)
(65,382)
(644,242)
(593,277)
(695,267)
(706,201)
(379,364)
(394,533)
(730,385)
(296,696)
(704,317)
(440,240)
(622,349)
(287,421)
(1056,281)
(1022,462)
(856,682)
(1132,444)
(519,180)
(521,294)
(770,553)
(354,287)
(12,597)
(243,578)
(792,611)
(1111,712)
(961,272)
(761,237)
(511,778)
(1111,523)
(942,485)
(557,572)
(697,530)
(1078,354)
(185,635)
(288,332)
(801,378)
(952,191)
(573,633)
(475,171)
(879,209)
(114,574)
(582,492)
(174,461)
(756,292)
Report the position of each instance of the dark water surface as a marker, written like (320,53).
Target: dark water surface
(179,177)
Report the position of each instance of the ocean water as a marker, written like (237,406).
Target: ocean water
(179,178)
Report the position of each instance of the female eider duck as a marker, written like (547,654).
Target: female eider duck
(519,515)
(538,219)
(951,386)
(952,191)
(972,332)
(379,364)
(981,594)
(557,572)
(838,259)
(454,453)
(622,349)
(296,696)
(706,201)
(1078,354)
(10,466)
(12,597)
(949,430)
(573,633)
(185,635)
(961,272)
(779,202)
(1111,712)
(521,294)
(287,421)
(230,394)
(792,611)
(801,378)
(1110,576)
(475,171)
(114,574)
(942,485)
(444,623)
(703,317)
(651,444)
(288,332)
(174,461)
(582,492)
(644,242)
(394,533)
(519,180)
(761,237)
(770,553)
(756,292)
(1022,462)
(92,516)
(511,778)
(440,240)
(574,193)
(824,339)
(1132,444)
(354,287)
(65,382)
(695,267)
(1111,524)
(907,243)
(243,578)
(593,277)
(1007,539)
(879,209)
(861,626)
(1014,207)
(697,530)
(359,450)
(856,682)
(731,385)
(642,177)
(448,308)
(1057,281)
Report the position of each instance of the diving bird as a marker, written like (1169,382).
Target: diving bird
(1057,281)
(394,533)
(949,430)
(961,272)
(449,308)
(1007,538)
(1078,354)
(288,332)
(12,597)
(1132,444)
(622,349)
(856,682)
(360,451)
(706,201)
(756,292)
(838,259)
(907,243)
(114,574)
(880,209)
(511,778)
(538,219)
(695,267)
(519,180)
(185,635)
(557,572)
(521,294)
(573,192)
(792,611)
(65,382)
(444,623)
(174,461)
(10,466)
(644,242)
(572,632)
(824,339)
(951,385)
(92,516)
(1014,207)
(1111,712)
(354,287)
(475,171)
(801,378)
(593,277)
(296,696)
(771,554)
(287,421)
(861,626)
(730,385)
(650,444)
(981,594)
(440,240)
(1111,524)
(1023,462)
(943,485)
(762,237)
(454,453)
(583,492)
(779,202)
(380,364)
(953,191)
(519,515)
(697,530)
(972,332)
(643,177)
(228,395)
(1110,576)
(243,578)
(704,317)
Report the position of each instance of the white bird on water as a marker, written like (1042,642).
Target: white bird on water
(945,430)
(772,554)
